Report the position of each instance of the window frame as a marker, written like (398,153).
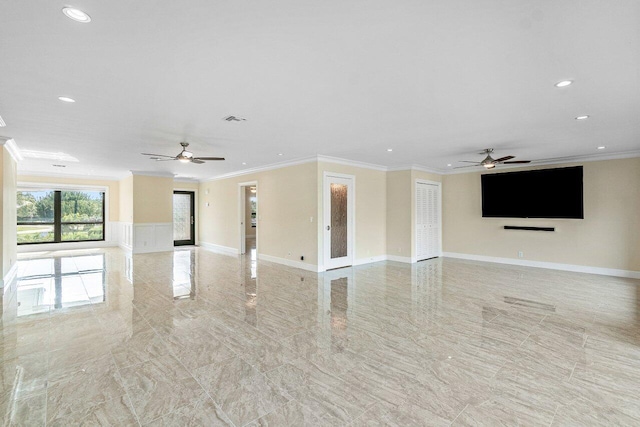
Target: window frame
(57,215)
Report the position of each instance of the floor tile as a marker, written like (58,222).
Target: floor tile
(385,344)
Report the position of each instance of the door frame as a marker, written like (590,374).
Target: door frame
(194,212)
(415,216)
(326,220)
(241,214)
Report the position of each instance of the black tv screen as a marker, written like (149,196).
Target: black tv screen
(545,193)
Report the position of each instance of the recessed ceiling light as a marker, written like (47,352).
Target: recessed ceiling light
(66,99)
(602,147)
(389,149)
(280,154)
(2,123)
(243,163)
(582,117)
(448,164)
(564,83)
(76,14)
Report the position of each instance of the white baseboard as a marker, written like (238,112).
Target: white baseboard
(397,258)
(550,265)
(219,249)
(289,262)
(369,260)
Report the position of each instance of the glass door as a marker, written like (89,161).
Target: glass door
(338,220)
(184,224)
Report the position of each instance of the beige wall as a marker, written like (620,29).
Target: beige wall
(287,201)
(371,208)
(399,213)
(608,236)
(113,186)
(8,200)
(152,199)
(126,199)
(189,186)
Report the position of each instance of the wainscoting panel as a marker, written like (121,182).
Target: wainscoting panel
(125,235)
(152,237)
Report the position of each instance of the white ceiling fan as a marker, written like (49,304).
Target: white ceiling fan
(185,156)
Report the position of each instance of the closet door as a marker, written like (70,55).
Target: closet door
(427,222)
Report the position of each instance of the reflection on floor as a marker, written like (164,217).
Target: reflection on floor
(195,338)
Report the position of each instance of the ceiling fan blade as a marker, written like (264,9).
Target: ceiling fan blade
(502,159)
(157,155)
(518,161)
(208,158)
(197,161)
(467,161)
(165,160)
(470,166)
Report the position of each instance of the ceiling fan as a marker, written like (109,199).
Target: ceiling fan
(490,163)
(185,156)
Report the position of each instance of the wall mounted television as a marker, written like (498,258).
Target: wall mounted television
(543,193)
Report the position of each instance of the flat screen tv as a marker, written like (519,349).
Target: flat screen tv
(545,193)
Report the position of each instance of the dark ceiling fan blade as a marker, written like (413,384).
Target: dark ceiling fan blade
(157,155)
(502,159)
(208,158)
(163,160)
(467,161)
(197,161)
(518,161)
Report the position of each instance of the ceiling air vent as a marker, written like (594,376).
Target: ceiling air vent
(234,119)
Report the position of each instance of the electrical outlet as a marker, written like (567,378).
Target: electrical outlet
(520,254)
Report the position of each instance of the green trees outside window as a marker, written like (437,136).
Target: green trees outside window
(49,216)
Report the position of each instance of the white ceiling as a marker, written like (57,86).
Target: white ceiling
(437,81)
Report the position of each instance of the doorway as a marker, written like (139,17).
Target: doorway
(248,197)
(184,220)
(428,226)
(339,225)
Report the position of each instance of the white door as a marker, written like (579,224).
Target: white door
(338,220)
(427,220)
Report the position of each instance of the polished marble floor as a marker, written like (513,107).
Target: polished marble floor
(195,338)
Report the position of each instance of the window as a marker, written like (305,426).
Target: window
(52,216)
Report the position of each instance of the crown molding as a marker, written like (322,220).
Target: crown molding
(186,180)
(153,173)
(257,169)
(321,158)
(353,163)
(12,148)
(418,168)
